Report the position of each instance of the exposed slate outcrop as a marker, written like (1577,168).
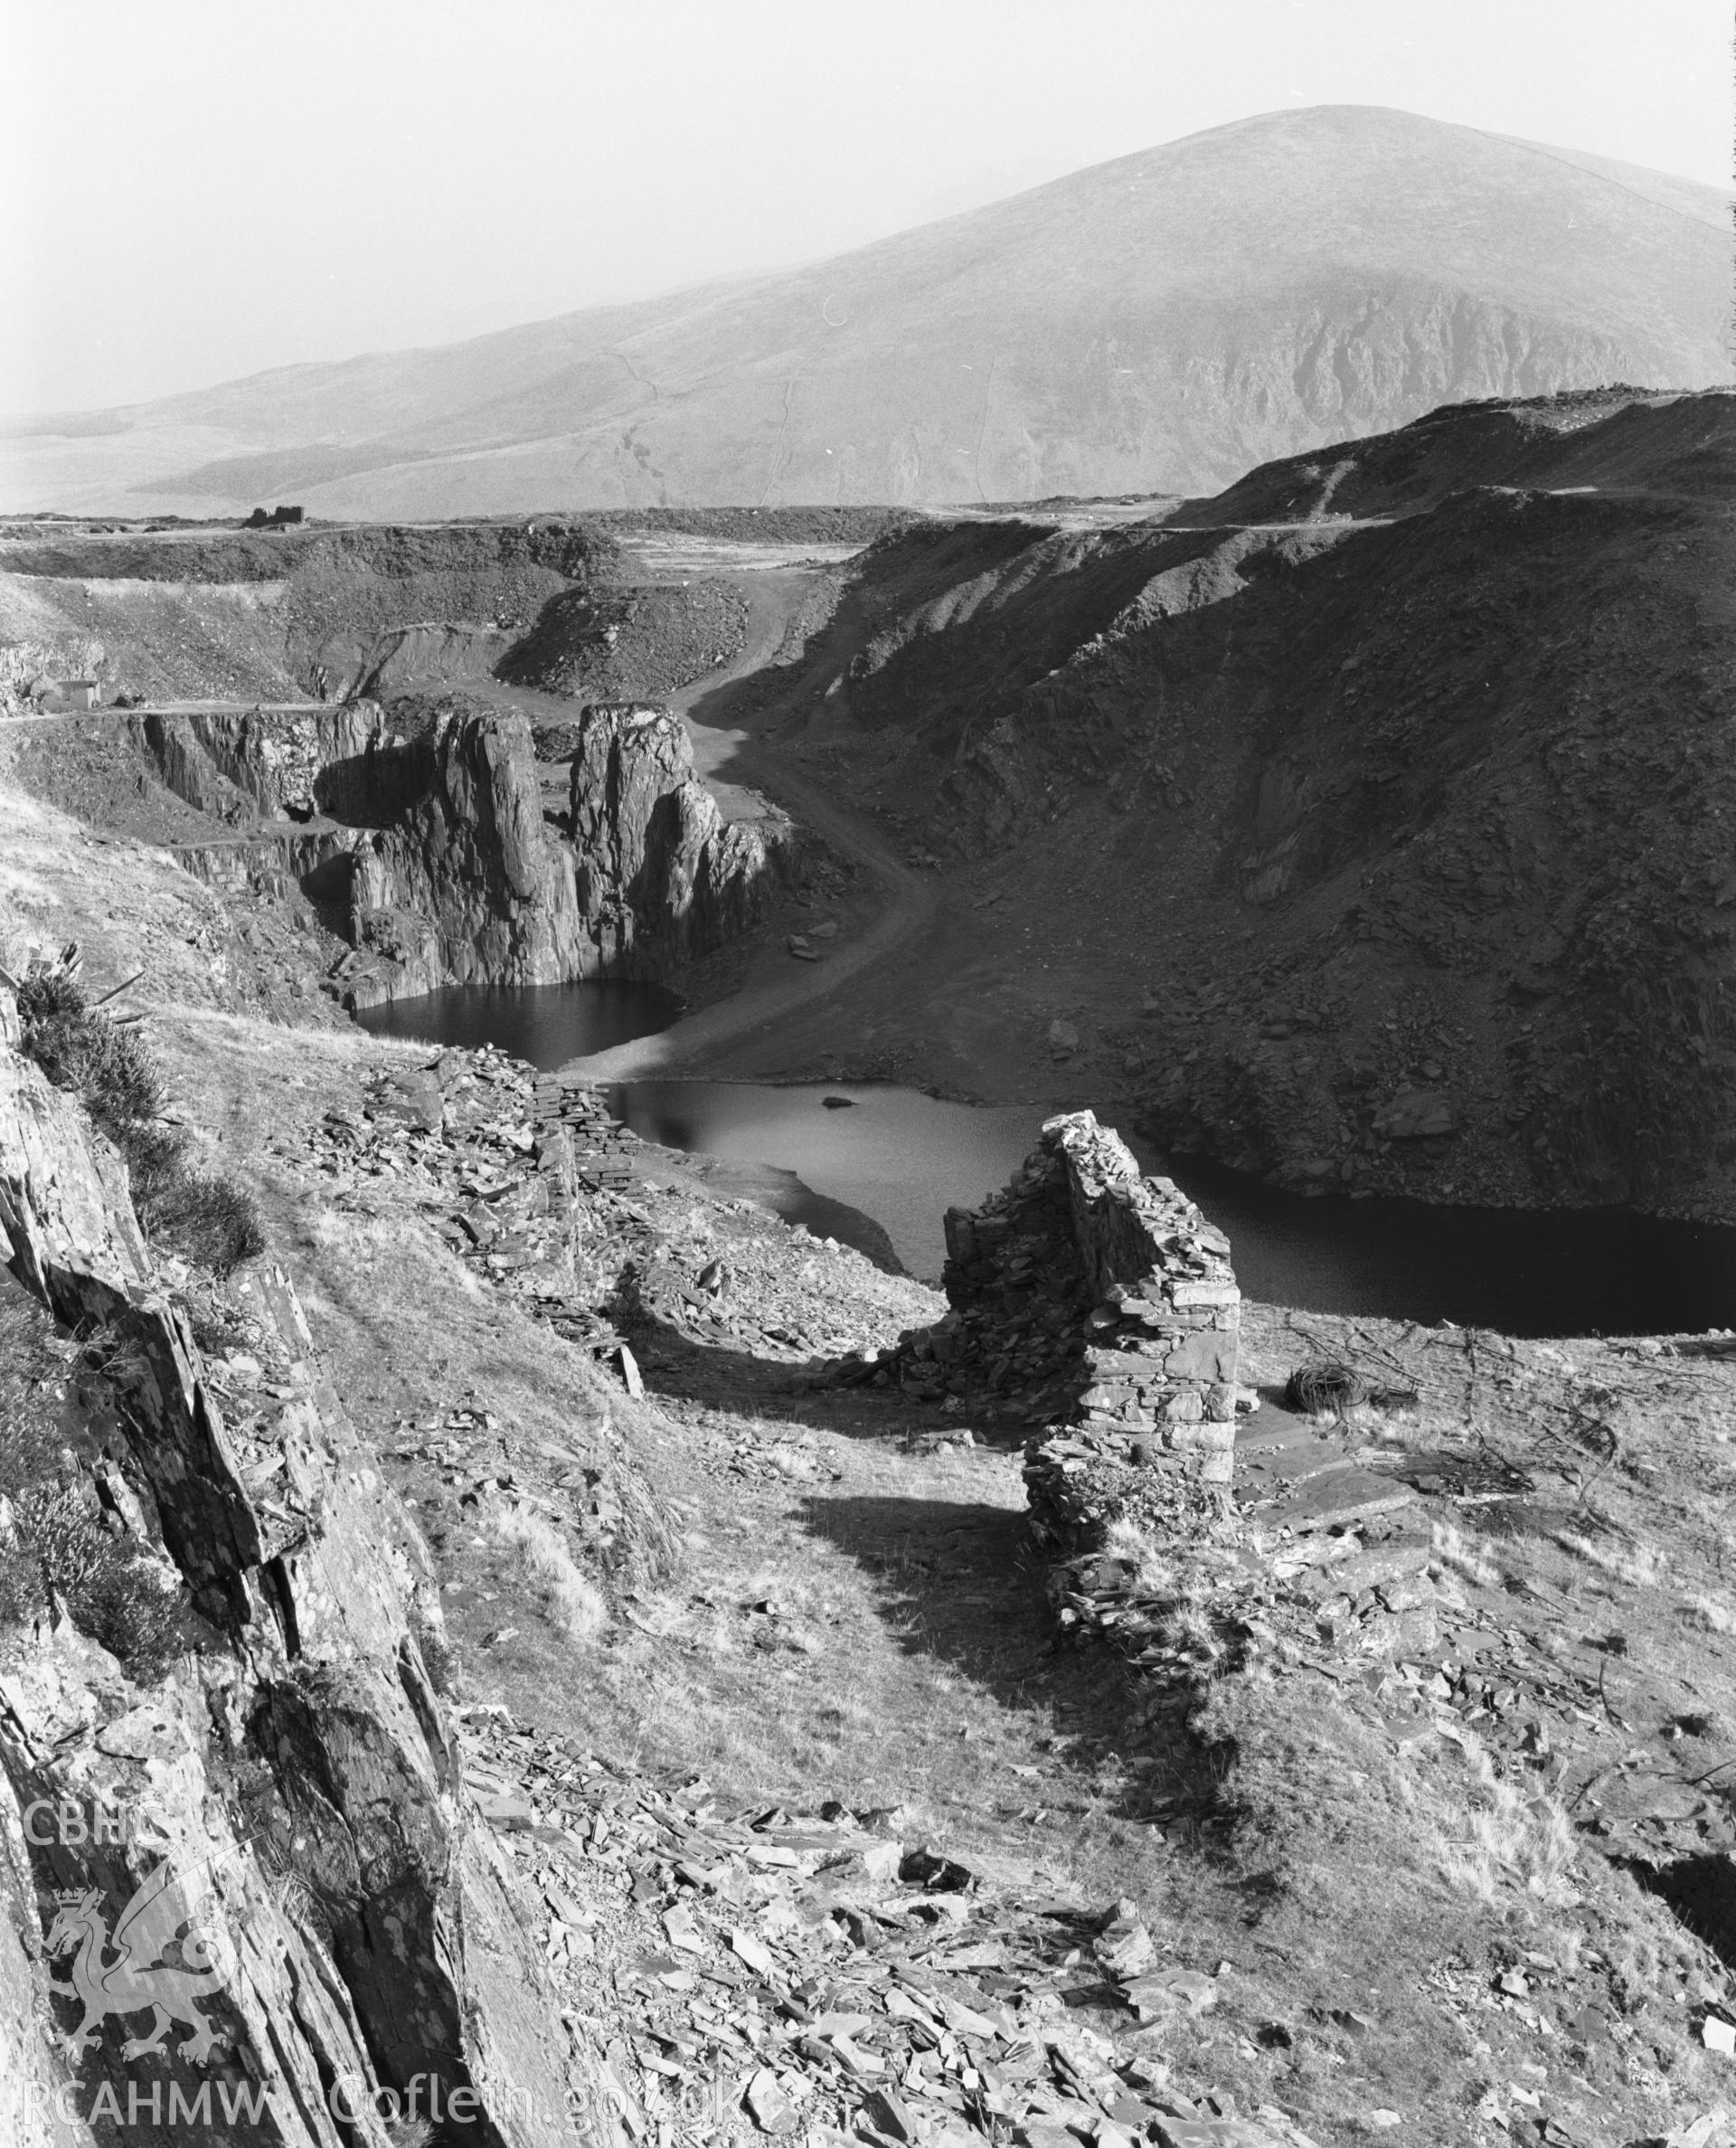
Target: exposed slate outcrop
(424,834)
(290,1793)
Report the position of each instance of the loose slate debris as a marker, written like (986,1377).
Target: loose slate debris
(539,1191)
(807,1976)
(1316,1564)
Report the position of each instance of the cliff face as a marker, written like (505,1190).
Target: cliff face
(290,1791)
(663,877)
(464,883)
(434,841)
(243,766)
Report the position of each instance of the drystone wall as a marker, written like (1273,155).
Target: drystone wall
(294,1790)
(1105,1301)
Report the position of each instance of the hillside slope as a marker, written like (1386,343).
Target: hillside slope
(736,1761)
(1159,322)
(1384,854)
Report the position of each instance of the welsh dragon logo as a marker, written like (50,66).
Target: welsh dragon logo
(169,1906)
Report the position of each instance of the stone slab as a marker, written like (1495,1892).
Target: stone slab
(1334,1498)
(1208,1356)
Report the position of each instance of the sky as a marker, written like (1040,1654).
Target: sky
(200,189)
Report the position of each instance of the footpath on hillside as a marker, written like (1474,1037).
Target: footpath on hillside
(902,903)
(877,1829)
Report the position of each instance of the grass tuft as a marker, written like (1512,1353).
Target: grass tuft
(1153,1574)
(52,1550)
(1502,1833)
(1463,1555)
(569,1601)
(1640,1566)
(107,1066)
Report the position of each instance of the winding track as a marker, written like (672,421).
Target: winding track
(908,901)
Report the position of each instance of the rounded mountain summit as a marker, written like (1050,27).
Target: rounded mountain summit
(1159,322)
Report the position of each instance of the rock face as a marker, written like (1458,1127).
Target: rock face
(430,653)
(247,765)
(425,834)
(663,878)
(291,1792)
(462,883)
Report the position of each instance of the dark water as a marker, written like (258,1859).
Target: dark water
(895,1155)
(1576,1272)
(545,1024)
(903,1158)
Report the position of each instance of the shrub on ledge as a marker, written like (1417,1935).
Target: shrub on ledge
(107,1066)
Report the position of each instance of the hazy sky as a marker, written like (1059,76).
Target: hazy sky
(196,189)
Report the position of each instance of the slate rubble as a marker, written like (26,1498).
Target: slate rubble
(1324,1565)
(813,1977)
(823,1978)
(536,1186)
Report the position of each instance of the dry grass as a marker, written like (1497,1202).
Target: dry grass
(1637,1565)
(203,1216)
(53,1547)
(570,1603)
(410,2132)
(1490,1831)
(1155,1571)
(1463,1555)
(1712,1614)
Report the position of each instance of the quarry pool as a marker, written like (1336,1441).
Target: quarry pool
(546,1025)
(1562,1271)
(903,1158)
(895,1154)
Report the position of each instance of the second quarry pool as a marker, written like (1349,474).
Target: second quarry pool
(903,1158)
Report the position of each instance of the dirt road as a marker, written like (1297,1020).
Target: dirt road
(905,903)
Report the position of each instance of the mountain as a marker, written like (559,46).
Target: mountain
(1159,322)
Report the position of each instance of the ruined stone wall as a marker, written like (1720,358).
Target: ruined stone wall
(1161,1351)
(1108,1299)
